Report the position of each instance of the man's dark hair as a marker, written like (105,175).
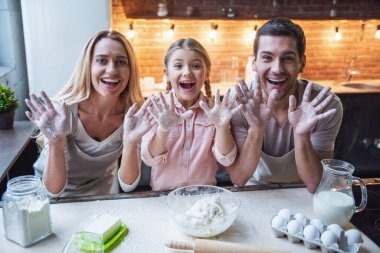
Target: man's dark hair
(282,27)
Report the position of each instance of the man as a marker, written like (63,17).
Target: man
(287,124)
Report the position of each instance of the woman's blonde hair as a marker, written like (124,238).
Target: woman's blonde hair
(78,88)
(190,44)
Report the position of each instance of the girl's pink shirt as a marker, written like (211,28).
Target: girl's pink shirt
(191,156)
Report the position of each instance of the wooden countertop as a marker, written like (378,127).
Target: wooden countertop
(150,225)
(336,87)
(12,143)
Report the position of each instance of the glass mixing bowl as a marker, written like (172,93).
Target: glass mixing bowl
(202,210)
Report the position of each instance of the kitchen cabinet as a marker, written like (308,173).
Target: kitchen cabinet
(249,10)
(17,152)
(358,141)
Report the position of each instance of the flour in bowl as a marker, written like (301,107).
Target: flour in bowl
(207,217)
(205,210)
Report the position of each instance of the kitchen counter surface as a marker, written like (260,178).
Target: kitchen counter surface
(336,87)
(12,143)
(150,225)
(341,88)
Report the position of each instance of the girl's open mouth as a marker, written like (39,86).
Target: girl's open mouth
(187,84)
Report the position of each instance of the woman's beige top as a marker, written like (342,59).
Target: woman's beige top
(91,165)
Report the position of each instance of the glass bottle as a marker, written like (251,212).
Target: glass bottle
(333,201)
(26,211)
(249,73)
(234,69)
(162,8)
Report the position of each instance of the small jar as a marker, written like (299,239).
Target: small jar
(26,211)
(162,9)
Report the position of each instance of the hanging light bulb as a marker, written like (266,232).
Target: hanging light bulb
(338,35)
(377,34)
(213,32)
(131,33)
(252,34)
(170,33)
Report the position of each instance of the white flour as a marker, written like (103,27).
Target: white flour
(207,217)
(204,211)
(28,221)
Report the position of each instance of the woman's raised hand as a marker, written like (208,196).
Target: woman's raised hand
(304,117)
(164,114)
(136,124)
(52,123)
(222,112)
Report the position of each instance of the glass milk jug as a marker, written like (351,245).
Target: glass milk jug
(333,201)
(26,211)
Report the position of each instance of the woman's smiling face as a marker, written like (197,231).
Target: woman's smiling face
(109,67)
(186,71)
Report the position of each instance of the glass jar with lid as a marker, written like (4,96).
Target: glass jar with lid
(26,211)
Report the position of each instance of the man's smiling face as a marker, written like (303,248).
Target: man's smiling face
(278,64)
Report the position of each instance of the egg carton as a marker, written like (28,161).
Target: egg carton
(346,241)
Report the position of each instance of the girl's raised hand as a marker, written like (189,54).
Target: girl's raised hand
(165,115)
(222,112)
(136,124)
(52,123)
(304,117)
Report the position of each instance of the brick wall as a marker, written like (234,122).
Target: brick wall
(327,58)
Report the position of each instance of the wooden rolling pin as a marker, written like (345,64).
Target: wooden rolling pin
(210,246)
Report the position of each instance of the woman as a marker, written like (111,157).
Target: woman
(87,130)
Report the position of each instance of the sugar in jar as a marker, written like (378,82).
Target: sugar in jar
(26,211)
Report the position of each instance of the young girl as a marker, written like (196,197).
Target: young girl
(94,121)
(189,139)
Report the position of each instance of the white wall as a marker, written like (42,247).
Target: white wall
(13,70)
(55,32)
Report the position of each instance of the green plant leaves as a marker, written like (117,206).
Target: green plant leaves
(8,101)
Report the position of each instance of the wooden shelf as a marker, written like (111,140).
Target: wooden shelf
(250,10)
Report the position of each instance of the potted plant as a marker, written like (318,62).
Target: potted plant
(8,105)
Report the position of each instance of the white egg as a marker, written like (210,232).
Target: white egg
(329,238)
(319,224)
(279,222)
(294,227)
(311,232)
(301,218)
(338,231)
(286,213)
(353,236)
